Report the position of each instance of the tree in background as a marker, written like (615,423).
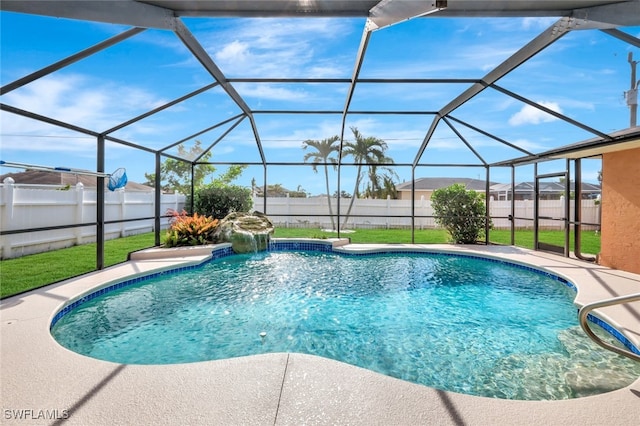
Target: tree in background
(226,178)
(381,186)
(460,211)
(369,151)
(343,194)
(177,174)
(277,190)
(323,155)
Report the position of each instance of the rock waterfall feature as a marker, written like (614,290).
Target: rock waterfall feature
(247,232)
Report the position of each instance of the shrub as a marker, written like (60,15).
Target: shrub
(188,230)
(460,212)
(219,201)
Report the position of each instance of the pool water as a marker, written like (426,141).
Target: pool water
(451,322)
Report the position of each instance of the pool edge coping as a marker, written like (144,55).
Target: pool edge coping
(304,389)
(342,246)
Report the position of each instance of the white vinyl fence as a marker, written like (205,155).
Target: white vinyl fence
(33,206)
(30,206)
(307,213)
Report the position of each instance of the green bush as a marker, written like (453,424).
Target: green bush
(219,201)
(460,212)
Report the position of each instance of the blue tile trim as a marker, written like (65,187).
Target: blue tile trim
(615,333)
(300,246)
(215,254)
(277,246)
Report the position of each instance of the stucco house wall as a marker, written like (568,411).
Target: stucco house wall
(620,245)
(424,187)
(406,195)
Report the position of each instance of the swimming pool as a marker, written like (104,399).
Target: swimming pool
(452,322)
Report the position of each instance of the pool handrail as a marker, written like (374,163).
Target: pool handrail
(586,309)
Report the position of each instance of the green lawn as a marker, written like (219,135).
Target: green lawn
(37,270)
(524,238)
(363,236)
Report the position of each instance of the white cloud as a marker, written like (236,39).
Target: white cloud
(538,23)
(280,48)
(74,99)
(273,92)
(528,145)
(293,137)
(487,56)
(531,115)
(235,51)
(83,101)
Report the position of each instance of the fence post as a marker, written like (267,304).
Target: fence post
(7,194)
(286,222)
(565,213)
(386,219)
(79,211)
(123,211)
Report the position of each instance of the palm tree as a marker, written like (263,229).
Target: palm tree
(370,151)
(381,185)
(322,155)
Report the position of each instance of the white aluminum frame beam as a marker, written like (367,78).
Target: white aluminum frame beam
(160,108)
(70,60)
(126,12)
(201,55)
(384,14)
(462,138)
(551,112)
(391,12)
(542,41)
(621,35)
(624,13)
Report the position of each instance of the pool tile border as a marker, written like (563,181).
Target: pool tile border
(328,247)
(614,333)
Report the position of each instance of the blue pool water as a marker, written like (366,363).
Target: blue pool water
(451,322)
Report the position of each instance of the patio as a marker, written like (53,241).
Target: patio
(41,379)
(44,383)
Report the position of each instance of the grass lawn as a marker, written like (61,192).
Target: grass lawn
(36,270)
(590,243)
(363,236)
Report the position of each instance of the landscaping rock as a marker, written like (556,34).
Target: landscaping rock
(247,232)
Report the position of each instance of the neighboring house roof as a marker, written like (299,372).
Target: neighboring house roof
(39,177)
(278,191)
(423,184)
(545,187)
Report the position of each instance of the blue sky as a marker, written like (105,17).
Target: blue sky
(583,76)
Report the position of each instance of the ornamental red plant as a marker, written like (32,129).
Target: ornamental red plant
(186,230)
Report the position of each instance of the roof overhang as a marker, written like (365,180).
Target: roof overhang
(159,13)
(166,14)
(454,8)
(620,141)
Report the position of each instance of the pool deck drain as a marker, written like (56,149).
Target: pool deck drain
(44,383)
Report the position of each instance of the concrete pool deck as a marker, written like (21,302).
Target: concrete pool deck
(45,383)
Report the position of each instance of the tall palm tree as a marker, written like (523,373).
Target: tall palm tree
(381,184)
(322,155)
(370,151)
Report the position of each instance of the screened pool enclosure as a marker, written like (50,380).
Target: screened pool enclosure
(503,92)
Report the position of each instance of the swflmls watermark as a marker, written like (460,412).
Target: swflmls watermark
(34,414)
